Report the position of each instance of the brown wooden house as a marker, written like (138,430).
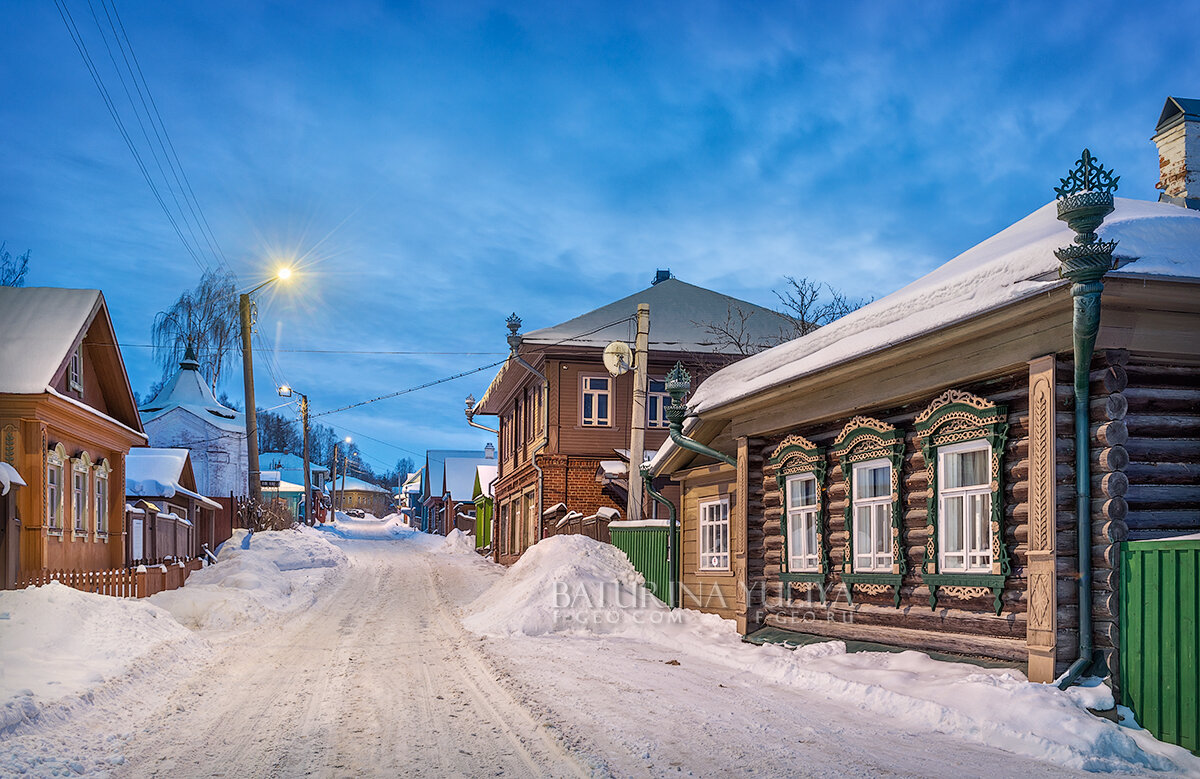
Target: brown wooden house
(906,474)
(556,432)
(67,420)
(169,518)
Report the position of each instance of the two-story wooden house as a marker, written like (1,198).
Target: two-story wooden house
(562,415)
(67,420)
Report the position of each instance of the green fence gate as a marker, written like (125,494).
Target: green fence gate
(1160,635)
(645,545)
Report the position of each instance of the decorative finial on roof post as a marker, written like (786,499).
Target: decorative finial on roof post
(514,324)
(1084,199)
(677,384)
(190,360)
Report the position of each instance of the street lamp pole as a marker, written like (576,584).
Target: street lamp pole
(255,483)
(244,311)
(309,511)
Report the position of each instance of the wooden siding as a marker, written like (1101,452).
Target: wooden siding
(714,592)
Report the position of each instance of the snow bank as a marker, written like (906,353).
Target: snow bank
(566,584)
(574,585)
(57,642)
(254,578)
(458,542)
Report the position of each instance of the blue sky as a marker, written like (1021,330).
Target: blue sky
(441,165)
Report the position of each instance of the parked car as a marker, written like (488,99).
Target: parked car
(356,513)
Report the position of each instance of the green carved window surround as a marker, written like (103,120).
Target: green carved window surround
(861,440)
(797,456)
(955,418)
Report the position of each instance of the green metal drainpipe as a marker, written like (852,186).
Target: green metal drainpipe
(672,542)
(1084,199)
(678,383)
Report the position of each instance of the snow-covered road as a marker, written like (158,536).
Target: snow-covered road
(378,677)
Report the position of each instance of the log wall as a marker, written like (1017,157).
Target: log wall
(963,625)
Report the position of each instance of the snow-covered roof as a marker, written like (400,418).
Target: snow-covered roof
(460,476)
(435,461)
(9,477)
(358,485)
(157,473)
(188,390)
(485,475)
(284,461)
(675,308)
(38,327)
(413,482)
(1155,239)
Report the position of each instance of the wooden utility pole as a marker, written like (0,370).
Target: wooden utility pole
(637,429)
(310,516)
(333,488)
(254,485)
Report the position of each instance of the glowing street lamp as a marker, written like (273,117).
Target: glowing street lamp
(244,310)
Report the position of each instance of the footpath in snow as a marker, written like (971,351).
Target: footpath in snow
(366,648)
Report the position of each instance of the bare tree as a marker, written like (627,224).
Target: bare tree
(804,304)
(13,269)
(735,332)
(204,319)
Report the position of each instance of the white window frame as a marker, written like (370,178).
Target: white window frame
(586,391)
(713,528)
(880,562)
(101,510)
(977,558)
(55,492)
(656,404)
(80,498)
(800,519)
(75,369)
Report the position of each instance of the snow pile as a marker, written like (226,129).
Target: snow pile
(269,573)
(57,642)
(566,584)
(458,542)
(574,585)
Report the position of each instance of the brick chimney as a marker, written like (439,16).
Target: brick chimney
(1178,139)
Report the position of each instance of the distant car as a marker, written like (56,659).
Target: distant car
(356,513)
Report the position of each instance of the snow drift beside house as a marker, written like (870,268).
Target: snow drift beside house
(458,542)
(576,586)
(565,584)
(57,642)
(276,572)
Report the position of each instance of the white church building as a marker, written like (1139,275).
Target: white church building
(185,414)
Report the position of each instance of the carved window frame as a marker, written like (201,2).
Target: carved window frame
(103,503)
(861,440)
(81,466)
(56,459)
(797,456)
(958,417)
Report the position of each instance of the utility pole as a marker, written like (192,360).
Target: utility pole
(637,430)
(255,484)
(309,504)
(345,467)
(333,488)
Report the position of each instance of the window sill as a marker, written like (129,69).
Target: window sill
(967,584)
(54,531)
(875,578)
(801,577)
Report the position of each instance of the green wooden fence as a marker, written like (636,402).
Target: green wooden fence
(646,548)
(1160,637)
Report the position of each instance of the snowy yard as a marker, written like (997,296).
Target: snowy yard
(368,649)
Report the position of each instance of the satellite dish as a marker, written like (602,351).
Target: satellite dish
(618,358)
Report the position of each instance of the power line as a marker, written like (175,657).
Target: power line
(410,389)
(384,352)
(97,79)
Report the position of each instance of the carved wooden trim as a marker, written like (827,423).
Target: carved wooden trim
(1041,631)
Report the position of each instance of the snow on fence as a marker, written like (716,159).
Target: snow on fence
(140,582)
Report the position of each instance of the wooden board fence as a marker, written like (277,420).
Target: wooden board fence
(140,582)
